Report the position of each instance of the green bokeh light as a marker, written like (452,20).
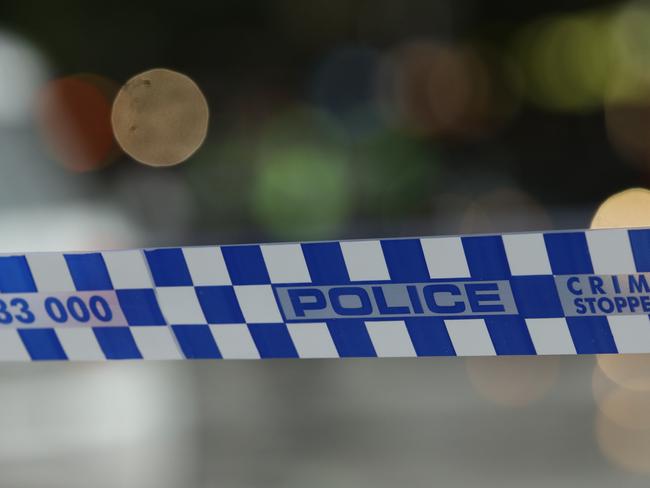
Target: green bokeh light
(301,192)
(568,61)
(302,186)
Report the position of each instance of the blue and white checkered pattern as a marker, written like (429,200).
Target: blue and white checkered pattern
(219,302)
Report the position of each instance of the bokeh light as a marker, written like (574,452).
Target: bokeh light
(513,381)
(631,31)
(74,115)
(301,190)
(302,185)
(621,384)
(628,408)
(627,105)
(629,208)
(567,60)
(160,117)
(575,62)
(630,371)
(441,89)
(24,70)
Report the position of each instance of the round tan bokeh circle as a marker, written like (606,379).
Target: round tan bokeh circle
(629,208)
(160,117)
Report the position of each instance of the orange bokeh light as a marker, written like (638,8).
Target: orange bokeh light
(74,116)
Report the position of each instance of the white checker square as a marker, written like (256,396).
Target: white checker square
(610,251)
(207,266)
(258,304)
(285,263)
(527,254)
(445,257)
(234,341)
(390,339)
(312,340)
(551,336)
(127,269)
(11,347)
(156,342)
(631,332)
(470,337)
(50,272)
(365,260)
(80,344)
(179,305)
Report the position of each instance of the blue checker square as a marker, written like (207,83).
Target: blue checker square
(536,296)
(88,271)
(117,342)
(486,257)
(196,341)
(591,335)
(42,344)
(405,260)
(245,265)
(140,307)
(351,338)
(273,340)
(509,335)
(15,276)
(429,336)
(219,304)
(168,267)
(640,242)
(325,263)
(568,253)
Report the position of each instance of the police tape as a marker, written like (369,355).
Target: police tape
(574,292)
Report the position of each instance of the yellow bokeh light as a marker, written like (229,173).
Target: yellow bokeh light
(567,60)
(629,208)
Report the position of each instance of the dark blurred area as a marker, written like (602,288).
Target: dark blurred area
(328,119)
(334,118)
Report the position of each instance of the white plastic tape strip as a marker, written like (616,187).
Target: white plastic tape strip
(574,292)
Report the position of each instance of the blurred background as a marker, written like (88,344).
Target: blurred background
(327,119)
